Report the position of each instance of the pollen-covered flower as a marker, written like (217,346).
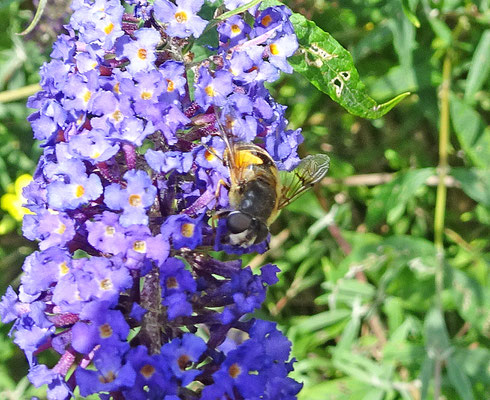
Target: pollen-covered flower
(140,52)
(71,186)
(213,90)
(134,199)
(182,18)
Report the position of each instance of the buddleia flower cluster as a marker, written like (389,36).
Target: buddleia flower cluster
(123,293)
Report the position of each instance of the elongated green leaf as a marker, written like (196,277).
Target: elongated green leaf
(480,66)
(392,197)
(474,362)
(472,132)
(459,380)
(471,300)
(37,17)
(338,389)
(362,368)
(403,35)
(350,332)
(436,336)
(330,68)
(475,183)
(321,320)
(407,9)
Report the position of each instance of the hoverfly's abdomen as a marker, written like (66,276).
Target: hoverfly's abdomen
(259,198)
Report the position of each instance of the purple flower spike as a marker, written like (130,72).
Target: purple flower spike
(131,195)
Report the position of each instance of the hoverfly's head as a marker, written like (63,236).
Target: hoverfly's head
(245,230)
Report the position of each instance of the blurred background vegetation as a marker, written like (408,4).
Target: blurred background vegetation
(384,290)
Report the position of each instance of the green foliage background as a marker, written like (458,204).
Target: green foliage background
(384,290)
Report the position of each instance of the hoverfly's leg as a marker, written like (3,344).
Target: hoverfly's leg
(212,152)
(220,213)
(221,183)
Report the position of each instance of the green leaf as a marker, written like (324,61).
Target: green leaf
(436,336)
(472,301)
(442,31)
(330,68)
(475,183)
(323,319)
(407,9)
(459,380)
(403,35)
(362,368)
(480,66)
(37,17)
(474,362)
(397,79)
(339,389)
(350,332)
(392,197)
(472,132)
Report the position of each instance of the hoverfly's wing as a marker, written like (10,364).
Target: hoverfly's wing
(309,171)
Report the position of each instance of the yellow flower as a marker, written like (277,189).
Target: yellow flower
(13,200)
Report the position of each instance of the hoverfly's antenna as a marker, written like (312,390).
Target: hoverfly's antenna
(224,136)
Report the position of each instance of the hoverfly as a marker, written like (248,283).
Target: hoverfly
(257,193)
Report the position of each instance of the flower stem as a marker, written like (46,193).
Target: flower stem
(18,94)
(440,209)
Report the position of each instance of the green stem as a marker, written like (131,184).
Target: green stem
(440,211)
(20,93)
(228,14)
(238,10)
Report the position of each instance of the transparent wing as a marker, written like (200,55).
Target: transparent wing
(309,171)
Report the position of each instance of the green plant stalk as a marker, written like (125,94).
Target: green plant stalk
(20,93)
(442,169)
(440,210)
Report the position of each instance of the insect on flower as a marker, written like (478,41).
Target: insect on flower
(257,191)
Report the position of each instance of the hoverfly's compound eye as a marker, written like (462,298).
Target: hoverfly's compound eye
(238,222)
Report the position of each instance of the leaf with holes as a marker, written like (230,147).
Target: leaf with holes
(329,67)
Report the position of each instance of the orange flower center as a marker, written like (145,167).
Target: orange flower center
(172,282)
(135,200)
(170,85)
(181,17)
(106,284)
(146,95)
(210,91)
(80,191)
(147,371)
(109,28)
(105,331)
(139,246)
(187,230)
(142,53)
(64,268)
(183,362)
(266,20)
(108,378)
(274,49)
(234,370)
